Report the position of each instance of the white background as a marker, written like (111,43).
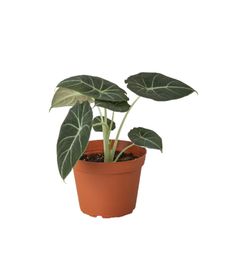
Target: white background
(186,203)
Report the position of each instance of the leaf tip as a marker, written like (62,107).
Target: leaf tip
(196,92)
(63,179)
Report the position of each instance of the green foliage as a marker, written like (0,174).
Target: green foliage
(95,87)
(145,137)
(74,136)
(97,124)
(157,86)
(83,90)
(68,97)
(114,106)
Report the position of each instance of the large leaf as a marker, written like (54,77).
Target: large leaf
(95,87)
(67,97)
(97,126)
(157,86)
(145,137)
(74,136)
(115,106)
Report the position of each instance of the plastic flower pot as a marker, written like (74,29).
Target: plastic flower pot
(108,189)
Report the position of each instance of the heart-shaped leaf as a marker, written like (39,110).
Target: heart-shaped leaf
(115,106)
(95,87)
(68,97)
(74,136)
(157,86)
(145,137)
(97,125)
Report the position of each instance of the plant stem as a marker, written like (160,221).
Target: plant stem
(104,129)
(106,132)
(123,150)
(111,124)
(101,116)
(120,128)
(105,116)
(110,129)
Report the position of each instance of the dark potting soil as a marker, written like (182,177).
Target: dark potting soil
(99,157)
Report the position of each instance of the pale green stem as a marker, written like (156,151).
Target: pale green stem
(123,150)
(106,138)
(111,124)
(105,115)
(101,116)
(109,142)
(104,129)
(120,128)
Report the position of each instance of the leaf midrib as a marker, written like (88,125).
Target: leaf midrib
(146,139)
(160,87)
(80,81)
(69,149)
(80,128)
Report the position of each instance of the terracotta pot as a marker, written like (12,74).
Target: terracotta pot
(108,189)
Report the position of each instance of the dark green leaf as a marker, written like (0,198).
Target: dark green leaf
(95,87)
(145,137)
(157,86)
(98,126)
(68,97)
(115,106)
(74,136)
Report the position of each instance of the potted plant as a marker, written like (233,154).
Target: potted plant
(107,171)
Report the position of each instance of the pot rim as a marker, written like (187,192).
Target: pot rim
(143,149)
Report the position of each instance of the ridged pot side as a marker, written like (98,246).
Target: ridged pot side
(108,189)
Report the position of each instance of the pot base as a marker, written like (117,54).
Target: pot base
(107,216)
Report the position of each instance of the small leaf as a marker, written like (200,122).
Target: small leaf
(145,137)
(157,86)
(68,97)
(115,106)
(95,87)
(74,136)
(98,126)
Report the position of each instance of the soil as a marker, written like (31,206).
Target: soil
(99,157)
